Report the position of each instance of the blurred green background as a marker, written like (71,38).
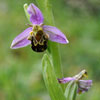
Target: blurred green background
(20,70)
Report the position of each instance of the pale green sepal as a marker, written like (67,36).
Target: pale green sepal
(51,82)
(71,91)
(26,13)
(74,92)
(68,90)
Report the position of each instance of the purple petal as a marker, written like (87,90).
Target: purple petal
(36,16)
(55,34)
(21,40)
(84,85)
(65,80)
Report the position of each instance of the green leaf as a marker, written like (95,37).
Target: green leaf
(51,82)
(71,91)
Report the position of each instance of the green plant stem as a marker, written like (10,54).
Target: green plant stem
(56,59)
(45,6)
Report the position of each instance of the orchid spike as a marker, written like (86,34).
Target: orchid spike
(38,34)
(83,85)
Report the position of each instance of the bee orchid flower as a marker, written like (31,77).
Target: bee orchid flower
(83,85)
(38,34)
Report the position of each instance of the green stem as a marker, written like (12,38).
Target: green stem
(53,47)
(56,59)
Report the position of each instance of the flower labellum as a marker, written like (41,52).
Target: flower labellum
(38,34)
(83,85)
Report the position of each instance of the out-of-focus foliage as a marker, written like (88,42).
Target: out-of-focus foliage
(20,70)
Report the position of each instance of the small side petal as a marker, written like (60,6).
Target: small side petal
(21,40)
(65,80)
(55,34)
(36,16)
